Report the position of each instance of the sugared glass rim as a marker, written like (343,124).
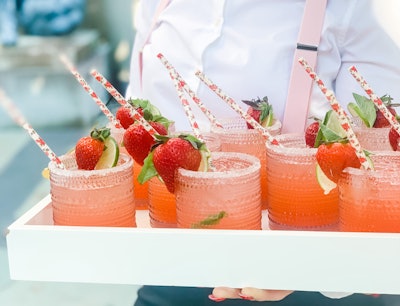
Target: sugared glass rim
(254,166)
(381,169)
(290,150)
(223,131)
(125,162)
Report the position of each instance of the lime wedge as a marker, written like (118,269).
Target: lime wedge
(205,160)
(110,155)
(332,123)
(46,173)
(326,184)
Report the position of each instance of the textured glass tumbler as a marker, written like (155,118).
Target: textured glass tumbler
(162,206)
(296,200)
(236,137)
(226,198)
(373,139)
(140,191)
(369,200)
(92,197)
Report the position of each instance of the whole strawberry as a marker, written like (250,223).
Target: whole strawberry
(333,158)
(89,149)
(394,138)
(138,142)
(311,133)
(125,117)
(381,121)
(176,153)
(260,111)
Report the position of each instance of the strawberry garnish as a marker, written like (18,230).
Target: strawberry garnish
(89,149)
(371,116)
(125,117)
(138,142)
(311,134)
(333,158)
(144,108)
(394,138)
(260,111)
(170,154)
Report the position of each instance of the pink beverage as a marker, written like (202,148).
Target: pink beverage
(372,139)
(93,197)
(236,137)
(140,191)
(369,200)
(162,204)
(226,198)
(296,200)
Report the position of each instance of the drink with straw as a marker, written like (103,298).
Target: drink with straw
(296,199)
(95,188)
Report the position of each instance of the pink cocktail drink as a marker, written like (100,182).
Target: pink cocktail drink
(140,191)
(369,200)
(296,200)
(371,138)
(226,198)
(92,197)
(162,203)
(236,137)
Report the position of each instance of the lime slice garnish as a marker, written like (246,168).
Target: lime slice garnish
(205,160)
(110,155)
(326,184)
(332,123)
(46,173)
(364,108)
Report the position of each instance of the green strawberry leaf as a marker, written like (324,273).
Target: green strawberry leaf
(194,141)
(210,220)
(366,109)
(161,119)
(148,170)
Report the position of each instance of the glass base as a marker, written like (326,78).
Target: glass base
(282,227)
(157,224)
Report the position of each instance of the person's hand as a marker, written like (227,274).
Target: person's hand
(251,294)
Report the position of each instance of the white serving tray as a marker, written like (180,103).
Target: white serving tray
(295,260)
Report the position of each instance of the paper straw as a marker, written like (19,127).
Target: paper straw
(17,116)
(182,83)
(90,91)
(236,107)
(377,101)
(343,119)
(187,108)
(121,100)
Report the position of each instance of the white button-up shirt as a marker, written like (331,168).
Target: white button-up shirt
(247,46)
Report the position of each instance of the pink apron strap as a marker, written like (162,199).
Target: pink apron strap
(296,109)
(161,6)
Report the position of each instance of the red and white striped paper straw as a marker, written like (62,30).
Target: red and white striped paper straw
(17,116)
(182,83)
(187,108)
(90,91)
(377,101)
(343,118)
(121,100)
(236,107)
